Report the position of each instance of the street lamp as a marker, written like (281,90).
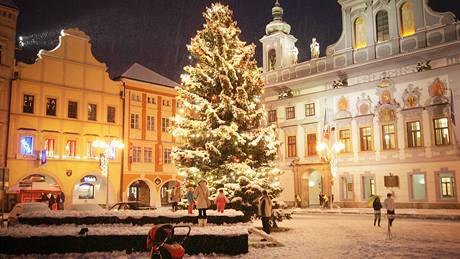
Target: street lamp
(330,154)
(104,158)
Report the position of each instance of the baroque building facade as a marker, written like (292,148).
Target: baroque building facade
(387,90)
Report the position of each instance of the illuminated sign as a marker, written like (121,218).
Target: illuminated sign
(27,144)
(89,179)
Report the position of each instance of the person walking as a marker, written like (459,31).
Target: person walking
(377,205)
(202,201)
(265,211)
(51,201)
(175,197)
(390,206)
(221,200)
(190,200)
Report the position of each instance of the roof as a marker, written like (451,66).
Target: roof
(141,73)
(8,3)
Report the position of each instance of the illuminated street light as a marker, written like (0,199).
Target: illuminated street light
(106,148)
(329,154)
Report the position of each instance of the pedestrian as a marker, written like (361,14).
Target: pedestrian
(221,200)
(61,201)
(325,201)
(390,206)
(175,196)
(377,205)
(202,201)
(321,199)
(265,211)
(51,201)
(298,201)
(190,200)
(43,197)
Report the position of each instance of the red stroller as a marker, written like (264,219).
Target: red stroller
(162,243)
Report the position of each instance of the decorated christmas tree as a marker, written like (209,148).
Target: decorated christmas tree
(221,126)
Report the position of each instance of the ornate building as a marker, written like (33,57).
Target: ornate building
(149,103)
(387,90)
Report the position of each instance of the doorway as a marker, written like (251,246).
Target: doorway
(315,187)
(139,191)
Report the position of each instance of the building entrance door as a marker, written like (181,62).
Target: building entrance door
(139,191)
(315,187)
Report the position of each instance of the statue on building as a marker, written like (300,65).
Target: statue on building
(314,48)
(294,55)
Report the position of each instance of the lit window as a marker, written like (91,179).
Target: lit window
(86,191)
(447,185)
(134,121)
(167,156)
(26,145)
(366,138)
(28,105)
(135,97)
(290,113)
(71,148)
(50,146)
(414,134)
(164,124)
(150,123)
(441,131)
(111,114)
(148,154)
(51,106)
(292,149)
(381,24)
(360,33)
(309,109)
(388,135)
(272,116)
(136,154)
(418,187)
(90,150)
(311,144)
(407,19)
(92,112)
(345,139)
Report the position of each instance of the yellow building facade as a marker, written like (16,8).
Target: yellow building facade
(150,104)
(61,105)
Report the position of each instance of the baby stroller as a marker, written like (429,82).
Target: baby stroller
(163,244)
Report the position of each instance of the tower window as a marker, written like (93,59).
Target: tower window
(382,28)
(407,19)
(271,59)
(360,33)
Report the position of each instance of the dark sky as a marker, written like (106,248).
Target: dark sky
(154,32)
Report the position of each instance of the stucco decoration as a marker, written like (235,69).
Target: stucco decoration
(387,105)
(314,49)
(437,92)
(342,108)
(411,97)
(364,104)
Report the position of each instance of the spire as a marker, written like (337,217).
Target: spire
(277,25)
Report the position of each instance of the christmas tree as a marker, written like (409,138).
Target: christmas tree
(221,126)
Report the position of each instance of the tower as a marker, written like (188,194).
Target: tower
(278,45)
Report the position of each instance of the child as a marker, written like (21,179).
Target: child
(221,200)
(190,200)
(377,205)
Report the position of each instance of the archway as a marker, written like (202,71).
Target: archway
(315,187)
(139,191)
(32,188)
(165,192)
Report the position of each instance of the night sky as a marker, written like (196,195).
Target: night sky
(154,33)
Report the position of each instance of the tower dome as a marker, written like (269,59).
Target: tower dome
(277,25)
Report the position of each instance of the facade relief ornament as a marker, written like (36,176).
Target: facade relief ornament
(364,104)
(437,92)
(387,105)
(343,108)
(294,52)
(411,97)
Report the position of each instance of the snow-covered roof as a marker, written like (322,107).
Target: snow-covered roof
(8,3)
(141,73)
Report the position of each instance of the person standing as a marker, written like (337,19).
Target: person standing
(377,205)
(61,200)
(265,211)
(190,200)
(221,200)
(51,201)
(175,197)
(202,201)
(321,199)
(390,206)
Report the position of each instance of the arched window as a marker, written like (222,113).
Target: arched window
(86,191)
(271,59)
(381,26)
(407,19)
(360,32)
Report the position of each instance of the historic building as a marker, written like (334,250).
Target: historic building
(61,107)
(150,102)
(376,114)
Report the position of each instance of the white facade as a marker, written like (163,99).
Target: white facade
(389,87)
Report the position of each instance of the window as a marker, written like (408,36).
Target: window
(290,113)
(92,112)
(51,106)
(368,186)
(50,147)
(407,19)
(150,123)
(347,187)
(90,150)
(135,97)
(345,139)
(167,156)
(272,116)
(366,138)
(292,149)
(360,33)
(137,154)
(388,137)
(309,109)
(72,110)
(418,187)
(441,131)
(26,145)
(28,105)
(134,121)
(164,124)
(447,185)
(71,148)
(271,59)
(165,102)
(148,154)
(414,134)
(151,100)
(111,114)
(311,144)
(86,191)
(382,28)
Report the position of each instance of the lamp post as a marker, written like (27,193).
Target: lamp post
(329,154)
(104,158)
